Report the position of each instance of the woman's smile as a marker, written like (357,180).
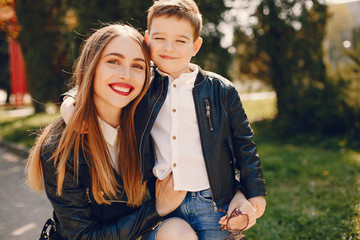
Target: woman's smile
(121,88)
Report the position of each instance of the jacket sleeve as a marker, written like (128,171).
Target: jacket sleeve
(252,181)
(76,216)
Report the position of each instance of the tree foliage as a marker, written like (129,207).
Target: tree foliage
(286,51)
(52,31)
(43,39)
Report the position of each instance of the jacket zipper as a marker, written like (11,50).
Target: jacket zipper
(88,195)
(146,126)
(208,116)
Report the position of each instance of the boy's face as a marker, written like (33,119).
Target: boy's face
(172,44)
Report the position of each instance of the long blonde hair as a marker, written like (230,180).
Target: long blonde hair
(93,144)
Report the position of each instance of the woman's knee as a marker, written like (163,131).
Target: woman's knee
(176,229)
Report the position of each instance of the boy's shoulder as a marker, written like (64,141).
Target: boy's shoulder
(215,77)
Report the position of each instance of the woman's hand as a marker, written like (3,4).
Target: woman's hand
(167,199)
(239,201)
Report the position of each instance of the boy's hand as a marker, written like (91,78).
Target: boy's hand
(167,199)
(259,203)
(67,108)
(239,201)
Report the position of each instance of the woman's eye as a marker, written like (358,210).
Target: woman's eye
(113,61)
(138,67)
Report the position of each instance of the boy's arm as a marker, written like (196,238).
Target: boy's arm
(67,105)
(252,183)
(67,108)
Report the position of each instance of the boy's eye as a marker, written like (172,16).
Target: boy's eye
(159,38)
(181,41)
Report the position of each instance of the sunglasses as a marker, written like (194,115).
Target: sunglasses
(234,234)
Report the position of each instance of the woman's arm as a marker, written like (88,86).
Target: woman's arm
(76,216)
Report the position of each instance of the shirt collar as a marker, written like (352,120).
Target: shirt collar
(109,132)
(190,75)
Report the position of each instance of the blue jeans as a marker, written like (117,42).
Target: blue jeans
(198,211)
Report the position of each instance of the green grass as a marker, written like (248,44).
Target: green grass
(312,193)
(260,109)
(23,130)
(313,189)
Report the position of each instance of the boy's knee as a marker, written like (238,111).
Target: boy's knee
(176,229)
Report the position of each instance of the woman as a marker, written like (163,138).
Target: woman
(92,178)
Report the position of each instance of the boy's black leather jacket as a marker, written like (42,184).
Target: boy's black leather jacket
(225,135)
(78,216)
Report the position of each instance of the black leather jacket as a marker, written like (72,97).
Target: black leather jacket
(78,216)
(230,155)
(225,135)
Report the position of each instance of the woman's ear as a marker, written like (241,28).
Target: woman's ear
(146,37)
(197,45)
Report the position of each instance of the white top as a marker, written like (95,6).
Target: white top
(110,135)
(177,138)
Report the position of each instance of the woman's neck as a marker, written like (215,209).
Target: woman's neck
(111,119)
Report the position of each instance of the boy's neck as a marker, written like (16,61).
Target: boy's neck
(188,70)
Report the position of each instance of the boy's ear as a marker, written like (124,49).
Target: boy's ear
(197,45)
(146,37)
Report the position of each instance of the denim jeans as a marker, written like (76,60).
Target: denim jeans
(198,211)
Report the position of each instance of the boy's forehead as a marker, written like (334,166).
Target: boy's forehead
(164,19)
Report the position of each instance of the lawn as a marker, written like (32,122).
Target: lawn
(313,191)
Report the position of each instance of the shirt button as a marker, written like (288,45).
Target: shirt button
(173,137)
(173,110)
(174,165)
(174,85)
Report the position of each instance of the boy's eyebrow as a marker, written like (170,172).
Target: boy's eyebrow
(180,35)
(123,57)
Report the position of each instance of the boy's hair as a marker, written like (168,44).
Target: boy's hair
(183,9)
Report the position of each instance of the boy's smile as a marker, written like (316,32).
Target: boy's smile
(172,45)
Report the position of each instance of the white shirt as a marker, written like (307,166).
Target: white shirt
(177,138)
(110,135)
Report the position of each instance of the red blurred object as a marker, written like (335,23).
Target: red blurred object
(17,72)
(9,24)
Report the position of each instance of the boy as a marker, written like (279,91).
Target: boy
(199,130)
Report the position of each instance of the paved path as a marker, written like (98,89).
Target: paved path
(22,212)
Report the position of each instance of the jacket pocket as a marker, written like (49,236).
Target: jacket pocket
(233,158)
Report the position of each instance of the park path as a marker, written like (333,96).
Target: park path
(22,212)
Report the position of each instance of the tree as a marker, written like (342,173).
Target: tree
(52,31)
(212,56)
(45,47)
(286,50)
(4,65)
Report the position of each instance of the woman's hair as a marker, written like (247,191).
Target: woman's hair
(93,145)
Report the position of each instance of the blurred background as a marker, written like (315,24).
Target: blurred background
(295,63)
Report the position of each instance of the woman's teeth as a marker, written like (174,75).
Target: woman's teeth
(121,89)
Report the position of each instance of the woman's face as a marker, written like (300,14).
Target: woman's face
(119,75)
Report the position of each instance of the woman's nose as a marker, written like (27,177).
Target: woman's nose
(124,73)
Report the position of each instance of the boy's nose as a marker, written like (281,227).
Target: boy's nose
(168,46)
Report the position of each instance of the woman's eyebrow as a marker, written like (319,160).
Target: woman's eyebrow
(123,57)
